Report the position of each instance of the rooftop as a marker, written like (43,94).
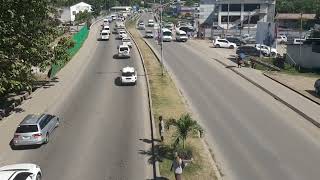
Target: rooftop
(295,16)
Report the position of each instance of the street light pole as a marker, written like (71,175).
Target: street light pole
(161,39)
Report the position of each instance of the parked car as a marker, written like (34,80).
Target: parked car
(266,50)
(149,34)
(224,43)
(25,171)
(237,41)
(128,75)
(298,41)
(123,51)
(317,87)
(127,41)
(105,35)
(248,51)
(141,26)
(35,129)
(282,39)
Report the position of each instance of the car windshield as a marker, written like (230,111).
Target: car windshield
(167,33)
(127,74)
(125,40)
(123,49)
(27,128)
(105,33)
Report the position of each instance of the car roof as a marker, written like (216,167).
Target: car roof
(128,69)
(123,45)
(6,174)
(18,167)
(33,119)
(104,31)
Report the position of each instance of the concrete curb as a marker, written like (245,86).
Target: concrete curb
(156,170)
(313,121)
(290,88)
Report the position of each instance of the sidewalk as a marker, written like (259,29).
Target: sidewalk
(295,101)
(48,99)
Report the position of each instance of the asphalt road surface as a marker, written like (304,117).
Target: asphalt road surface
(254,137)
(102,124)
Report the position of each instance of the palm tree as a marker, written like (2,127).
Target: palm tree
(185,126)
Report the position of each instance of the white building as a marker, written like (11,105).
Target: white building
(80,7)
(229,14)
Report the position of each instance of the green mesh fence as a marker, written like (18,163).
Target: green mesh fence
(79,39)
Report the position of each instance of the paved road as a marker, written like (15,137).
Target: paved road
(102,124)
(253,135)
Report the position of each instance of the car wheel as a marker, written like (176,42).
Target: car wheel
(217,46)
(38,176)
(231,47)
(47,139)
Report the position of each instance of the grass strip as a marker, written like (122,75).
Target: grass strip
(167,101)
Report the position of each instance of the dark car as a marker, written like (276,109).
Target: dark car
(248,51)
(235,40)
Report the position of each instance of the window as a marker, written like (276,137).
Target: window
(231,18)
(235,7)
(251,7)
(123,49)
(27,129)
(232,7)
(128,74)
(104,34)
(253,20)
(22,176)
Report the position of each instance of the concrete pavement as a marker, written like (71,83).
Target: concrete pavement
(104,126)
(253,135)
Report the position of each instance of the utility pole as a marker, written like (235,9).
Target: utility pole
(300,33)
(228,17)
(161,39)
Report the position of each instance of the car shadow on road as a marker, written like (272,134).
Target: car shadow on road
(25,147)
(313,93)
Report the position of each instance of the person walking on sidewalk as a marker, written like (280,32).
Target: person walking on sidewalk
(177,167)
(240,59)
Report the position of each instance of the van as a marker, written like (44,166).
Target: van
(166,35)
(181,36)
(105,35)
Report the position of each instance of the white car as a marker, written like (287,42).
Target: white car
(224,44)
(282,39)
(298,41)
(123,51)
(20,172)
(127,41)
(150,23)
(181,36)
(105,35)
(128,76)
(106,28)
(266,50)
(149,34)
(141,26)
(122,34)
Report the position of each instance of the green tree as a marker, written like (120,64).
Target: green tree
(184,127)
(26,30)
(84,16)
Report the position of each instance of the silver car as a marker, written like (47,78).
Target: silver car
(35,129)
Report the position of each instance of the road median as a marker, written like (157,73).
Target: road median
(166,101)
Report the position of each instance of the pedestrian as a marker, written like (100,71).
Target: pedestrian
(177,167)
(161,128)
(240,59)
